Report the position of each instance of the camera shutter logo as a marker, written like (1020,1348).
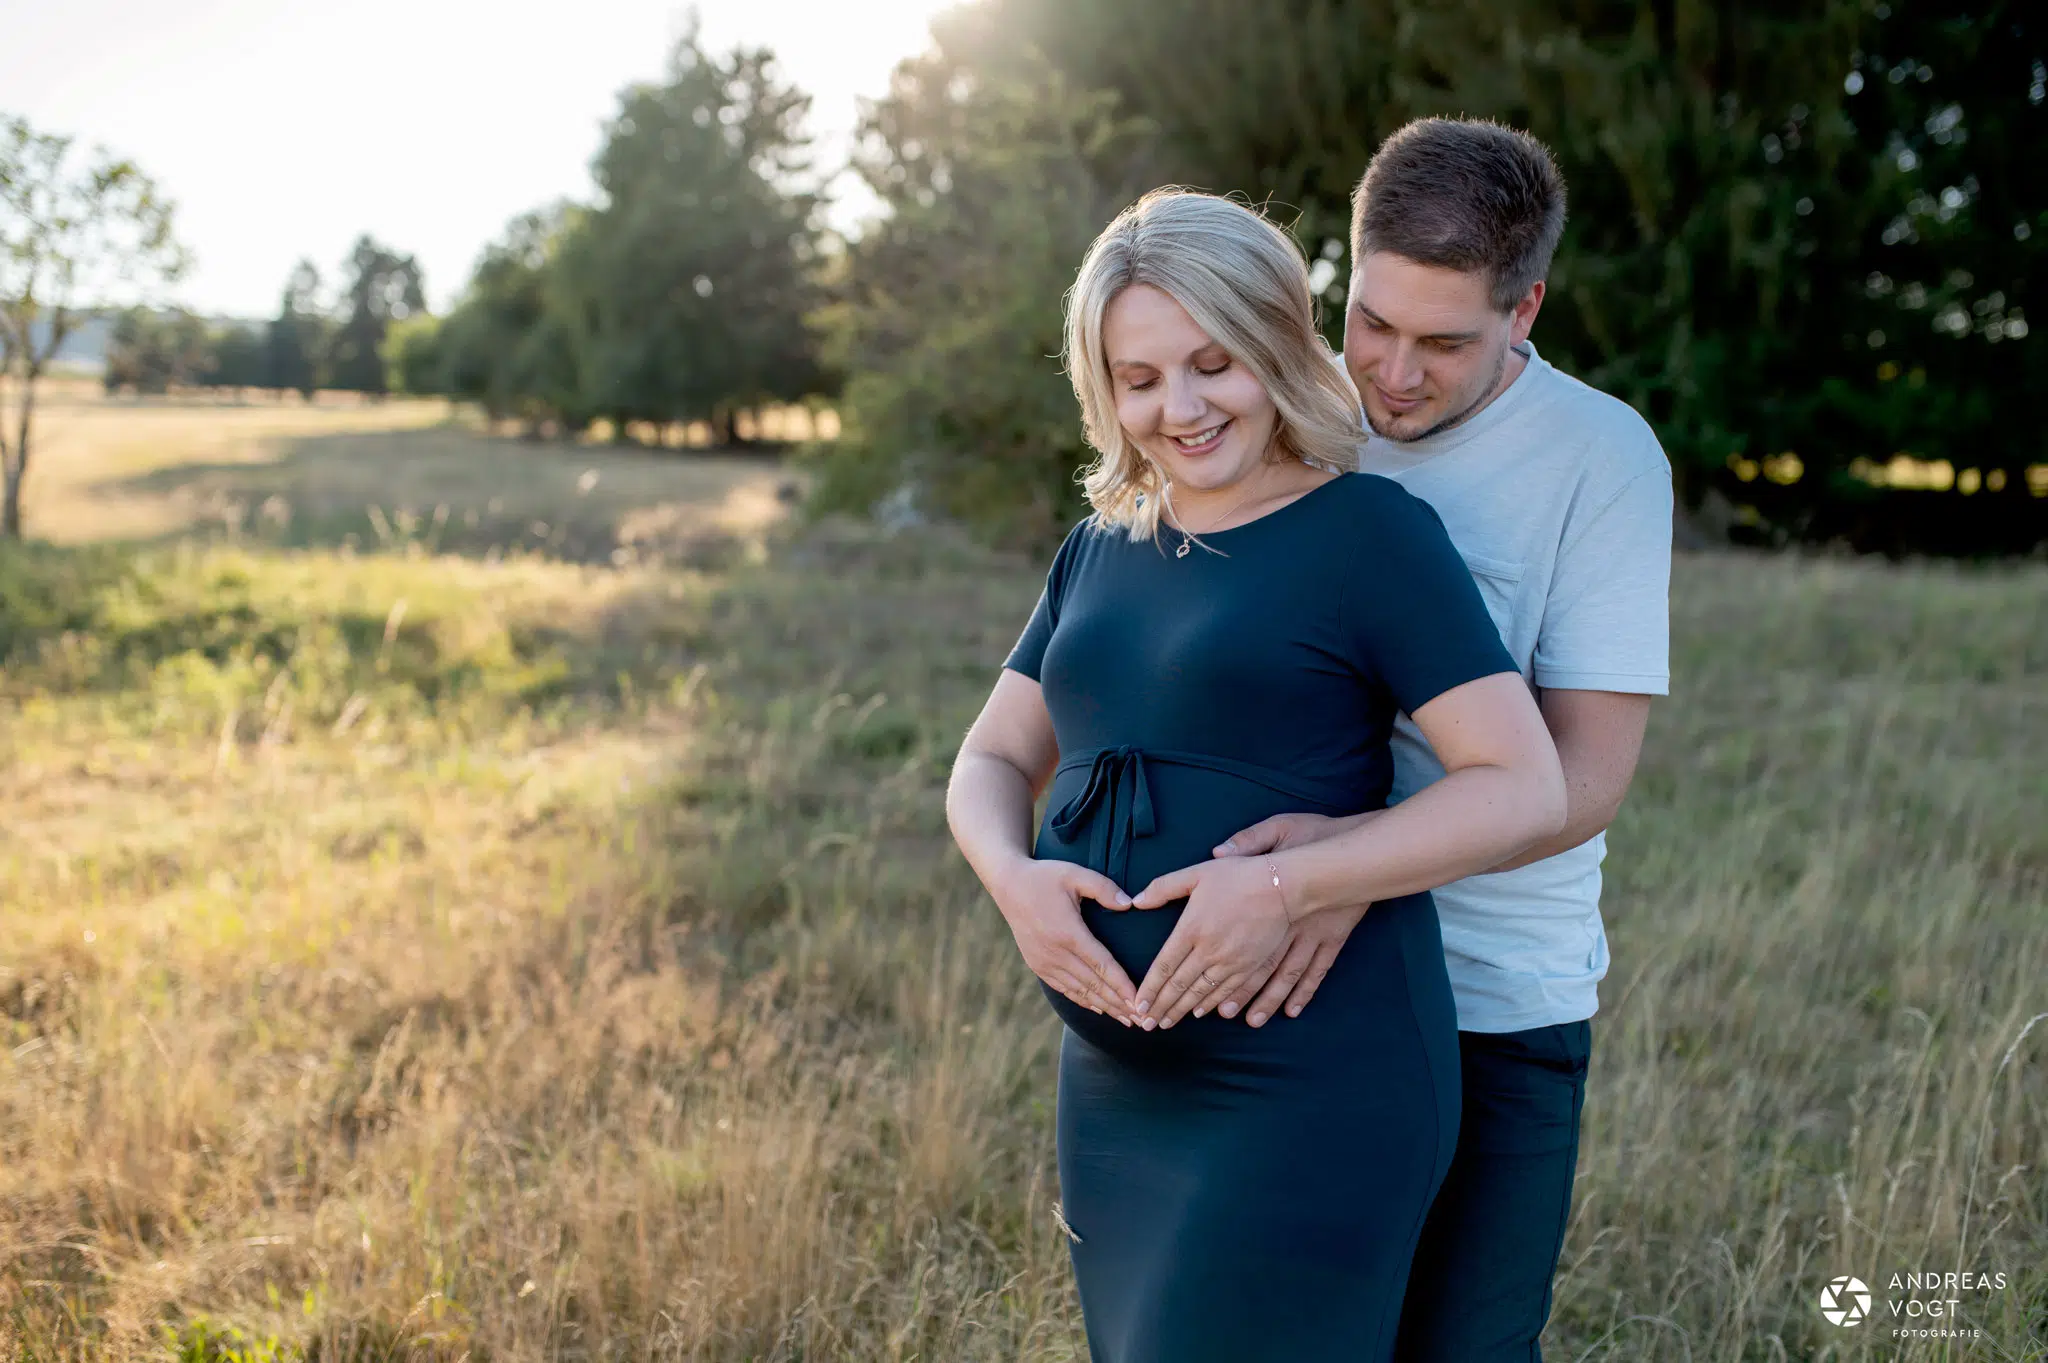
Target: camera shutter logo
(1845,1301)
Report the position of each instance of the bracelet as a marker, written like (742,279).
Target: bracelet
(1274,869)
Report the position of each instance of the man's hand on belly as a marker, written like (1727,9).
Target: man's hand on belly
(1290,830)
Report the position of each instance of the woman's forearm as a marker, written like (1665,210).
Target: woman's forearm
(1470,821)
(988,807)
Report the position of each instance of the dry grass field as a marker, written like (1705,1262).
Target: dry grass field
(463,898)
(293,474)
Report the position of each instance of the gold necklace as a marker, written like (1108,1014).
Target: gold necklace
(1187,540)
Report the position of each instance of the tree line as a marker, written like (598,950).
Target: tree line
(308,346)
(1805,241)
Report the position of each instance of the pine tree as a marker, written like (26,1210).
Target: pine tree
(383,287)
(294,341)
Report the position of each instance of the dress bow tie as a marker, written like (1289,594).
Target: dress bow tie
(1116,808)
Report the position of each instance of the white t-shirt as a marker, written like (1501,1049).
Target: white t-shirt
(1559,498)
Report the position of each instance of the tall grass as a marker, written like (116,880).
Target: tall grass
(407,956)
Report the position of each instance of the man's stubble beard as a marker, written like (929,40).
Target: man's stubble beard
(1500,366)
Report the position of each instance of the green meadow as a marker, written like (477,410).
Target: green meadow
(465,897)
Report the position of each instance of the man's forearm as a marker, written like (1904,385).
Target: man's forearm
(1599,735)
(1581,824)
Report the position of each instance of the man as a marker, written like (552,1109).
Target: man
(1559,498)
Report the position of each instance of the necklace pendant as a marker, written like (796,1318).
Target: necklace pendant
(1182,552)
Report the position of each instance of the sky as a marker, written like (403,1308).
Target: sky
(284,128)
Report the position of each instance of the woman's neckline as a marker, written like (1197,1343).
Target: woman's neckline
(1263,516)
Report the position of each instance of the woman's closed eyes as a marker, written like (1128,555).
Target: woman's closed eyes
(1205,373)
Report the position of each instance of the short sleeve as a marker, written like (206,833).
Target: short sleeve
(1028,655)
(1606,624)
(1412,610)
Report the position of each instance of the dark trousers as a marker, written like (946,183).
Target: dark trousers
(1480,1288)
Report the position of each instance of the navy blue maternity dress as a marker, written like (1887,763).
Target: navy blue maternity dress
(1246,1194)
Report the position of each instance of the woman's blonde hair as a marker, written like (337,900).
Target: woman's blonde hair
(1244,282)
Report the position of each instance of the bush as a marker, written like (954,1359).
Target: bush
(414,357)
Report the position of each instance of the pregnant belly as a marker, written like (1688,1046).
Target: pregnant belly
(1135,816)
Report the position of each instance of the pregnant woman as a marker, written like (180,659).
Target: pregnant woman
(1227,637)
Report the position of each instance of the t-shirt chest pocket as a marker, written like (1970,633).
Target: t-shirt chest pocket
(1500,583)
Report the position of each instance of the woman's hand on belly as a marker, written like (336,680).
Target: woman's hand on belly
(1235,926)
(1041,901)
(1312,949)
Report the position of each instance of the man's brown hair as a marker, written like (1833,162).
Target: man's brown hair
(1463,194)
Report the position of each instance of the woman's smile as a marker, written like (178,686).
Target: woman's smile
(1202,441)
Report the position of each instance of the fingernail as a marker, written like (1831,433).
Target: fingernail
(1166,1024)
(1228,1010)
(1295,1011)
(1258,1019)
(1228,849)
(1200,1011)
(1144,1006)
(1123,901)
